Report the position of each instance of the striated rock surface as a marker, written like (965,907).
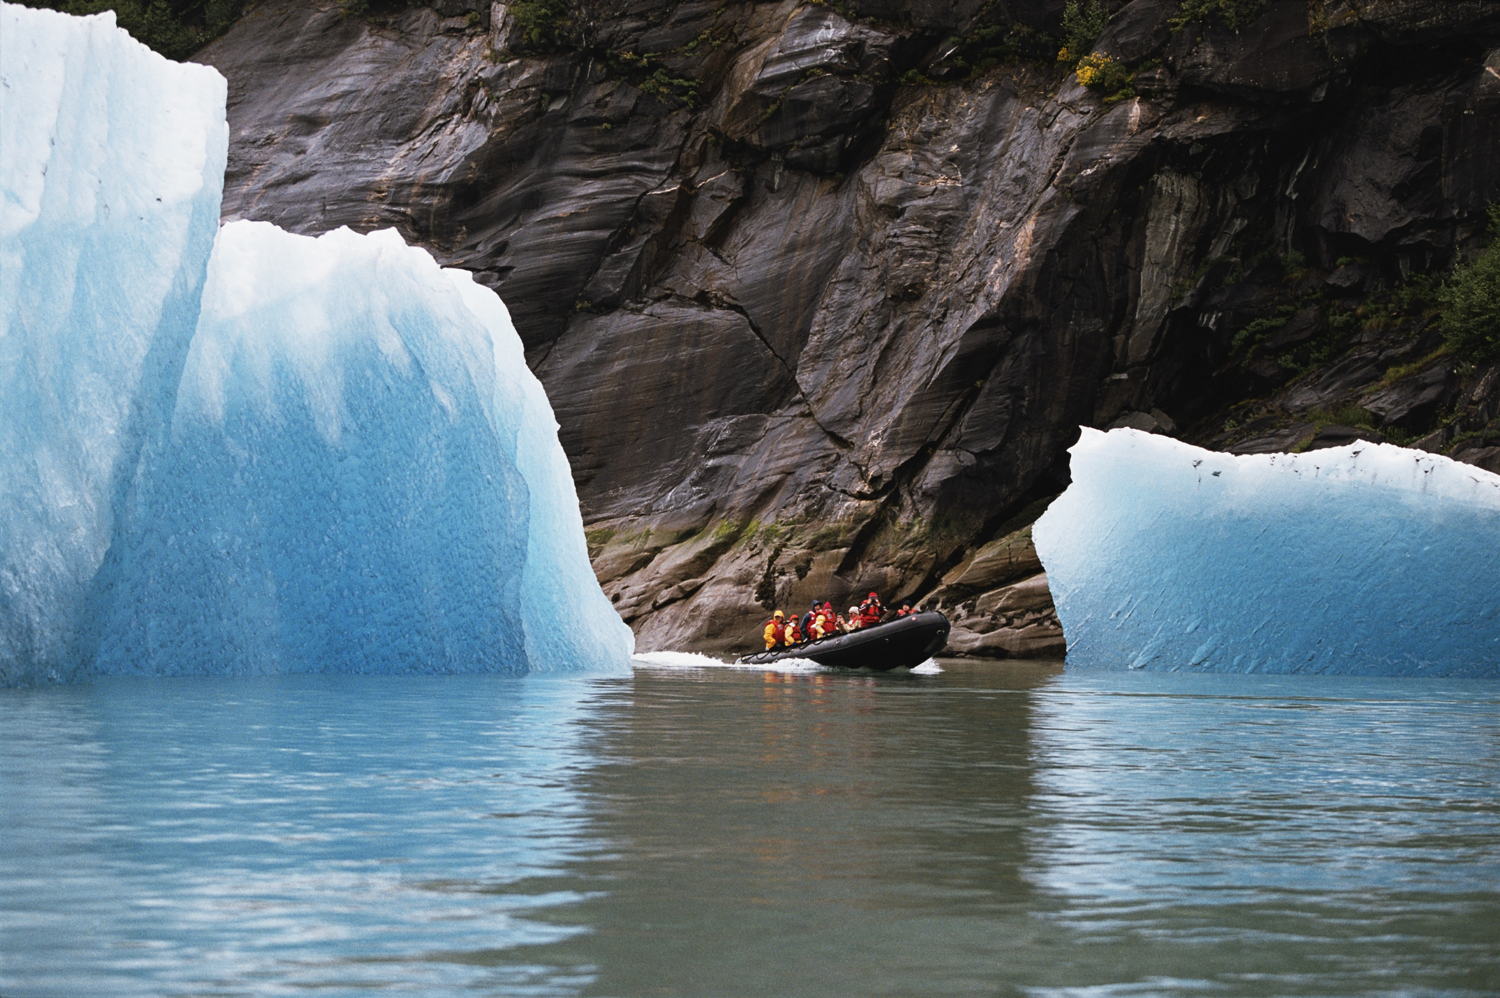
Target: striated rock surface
(822,292)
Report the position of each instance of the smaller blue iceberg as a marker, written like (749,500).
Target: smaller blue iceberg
(1368,559)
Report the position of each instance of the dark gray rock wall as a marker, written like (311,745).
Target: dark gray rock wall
(813,323)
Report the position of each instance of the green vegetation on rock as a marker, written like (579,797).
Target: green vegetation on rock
(1108,76)
(175,28)
(1233,14)
(1469,302)
(1083,22)
(990,39)
(543,25)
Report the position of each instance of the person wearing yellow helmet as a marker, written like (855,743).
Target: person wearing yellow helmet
(773,633)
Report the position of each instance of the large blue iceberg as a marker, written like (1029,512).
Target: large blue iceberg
(1368,559)
(240,450)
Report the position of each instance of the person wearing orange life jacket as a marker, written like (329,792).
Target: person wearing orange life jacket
(871,610)
(772,632)
(805,624)
(818,629)
(905,611)
(792,634)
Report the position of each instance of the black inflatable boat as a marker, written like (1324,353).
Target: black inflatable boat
(895,644)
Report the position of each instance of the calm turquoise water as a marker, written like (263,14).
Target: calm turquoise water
(990,830)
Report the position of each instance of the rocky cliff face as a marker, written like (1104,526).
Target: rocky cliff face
(821,292)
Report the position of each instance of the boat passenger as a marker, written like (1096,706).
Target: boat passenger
(840,625)
(905,611)
(853,620)
(792,634)
(821,625)
(805,624)
(773,630)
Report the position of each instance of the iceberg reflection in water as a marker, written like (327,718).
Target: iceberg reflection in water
(178,836)
(692,830)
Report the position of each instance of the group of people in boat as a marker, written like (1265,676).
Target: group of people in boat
(821,621)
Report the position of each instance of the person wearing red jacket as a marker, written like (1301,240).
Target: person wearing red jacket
(821,626)
(805,624)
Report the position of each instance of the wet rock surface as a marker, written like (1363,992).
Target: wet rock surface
(821,296)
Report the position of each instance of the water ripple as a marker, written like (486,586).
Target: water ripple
(985,830)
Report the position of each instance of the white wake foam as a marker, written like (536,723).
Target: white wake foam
(693,660)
